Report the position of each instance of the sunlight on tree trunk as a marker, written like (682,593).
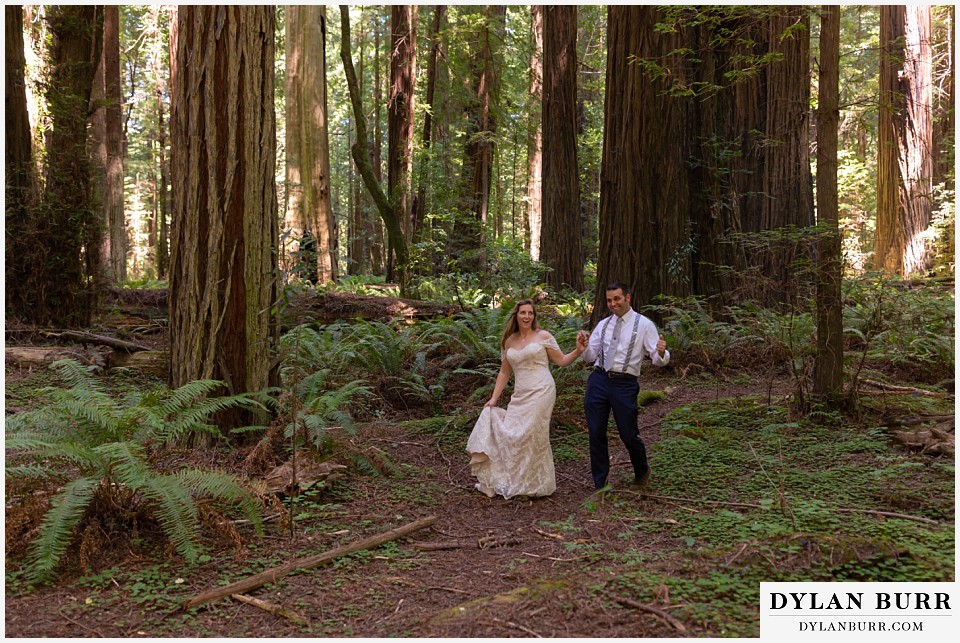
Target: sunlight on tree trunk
(223,273)
(310,242)
(905,158)
(534,199)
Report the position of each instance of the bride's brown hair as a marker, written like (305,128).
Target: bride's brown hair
(513,326)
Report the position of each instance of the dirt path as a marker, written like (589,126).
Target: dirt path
(546,578)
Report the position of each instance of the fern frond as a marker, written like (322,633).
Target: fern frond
(225,489)
(95,413)
(176,512)
(30,471)
(78,376)
(57,528)
(186,395)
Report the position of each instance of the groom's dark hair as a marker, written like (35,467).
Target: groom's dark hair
(619,285)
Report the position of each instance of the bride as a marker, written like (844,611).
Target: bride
(510,449)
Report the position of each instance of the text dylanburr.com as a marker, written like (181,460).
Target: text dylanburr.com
(858,611)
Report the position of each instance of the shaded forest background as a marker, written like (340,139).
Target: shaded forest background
(716,109)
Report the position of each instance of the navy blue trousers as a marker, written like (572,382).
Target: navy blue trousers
(603,395)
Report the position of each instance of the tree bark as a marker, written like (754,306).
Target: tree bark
(21,239)
(905,157)
(534,199)
(645,195)
(670,204)
(71,224)
(400,119)
(224,245)
(562,248)
(115,246)
(828,365)
(311,233)
(361,155)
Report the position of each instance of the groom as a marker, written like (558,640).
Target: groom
(616,347)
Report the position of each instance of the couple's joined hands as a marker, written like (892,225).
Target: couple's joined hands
(583,338)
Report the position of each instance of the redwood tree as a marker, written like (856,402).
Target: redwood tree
(108,147)
(705,136)
(223,269)
(481,134)
(19,226)
(311,231)
(69,222)
(400,119)
(905,139)
(828,366)
(534,198)
(562,249)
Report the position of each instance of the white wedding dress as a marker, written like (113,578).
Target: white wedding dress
(510,449)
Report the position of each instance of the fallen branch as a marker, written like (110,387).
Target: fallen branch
(517,626)
(102,340)
(277,610)
(276,573)
(887,514)
(904,389)
(467,543)
(875,512)
(673,622)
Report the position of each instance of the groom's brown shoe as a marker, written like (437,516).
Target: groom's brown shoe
(640,482)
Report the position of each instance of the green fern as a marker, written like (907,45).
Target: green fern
(58,525)
(110,443)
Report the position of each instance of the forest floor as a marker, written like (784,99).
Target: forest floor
(741,492)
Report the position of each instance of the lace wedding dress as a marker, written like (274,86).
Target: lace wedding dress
(510,448)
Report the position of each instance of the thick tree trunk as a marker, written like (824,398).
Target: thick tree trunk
(905,157)
(828,366)
(311,238)
(223,267)
(400,114)
(669,203)
(72,226)
(562,248)
(645,196)
(534,199)
(115,257)
(22,241)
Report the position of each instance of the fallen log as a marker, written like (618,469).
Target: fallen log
(35,356)
(153,362)
(324,308)
(277,610)
(100,340)
(276,573)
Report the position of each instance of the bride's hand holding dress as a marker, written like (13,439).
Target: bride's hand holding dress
(510,448)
